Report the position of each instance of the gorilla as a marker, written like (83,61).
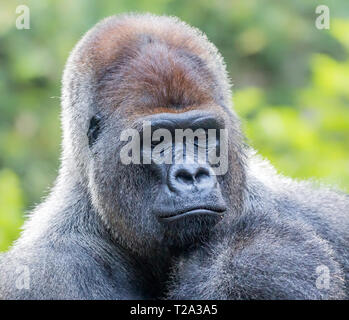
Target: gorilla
(158,230)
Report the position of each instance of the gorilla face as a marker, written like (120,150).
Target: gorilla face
(188,199)
(156,205)
(159,202)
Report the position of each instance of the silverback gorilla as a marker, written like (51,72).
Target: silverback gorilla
(110,230)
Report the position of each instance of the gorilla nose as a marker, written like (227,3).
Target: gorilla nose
(193,177)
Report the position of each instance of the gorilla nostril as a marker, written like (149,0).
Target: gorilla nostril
(202,174)
(184,176)
(190,177)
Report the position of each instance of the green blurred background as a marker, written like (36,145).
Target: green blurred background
(291,85)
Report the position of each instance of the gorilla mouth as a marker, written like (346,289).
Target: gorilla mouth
(192,212)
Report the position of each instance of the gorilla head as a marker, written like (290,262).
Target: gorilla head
(130,69)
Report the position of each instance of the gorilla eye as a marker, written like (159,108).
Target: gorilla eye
(93,130)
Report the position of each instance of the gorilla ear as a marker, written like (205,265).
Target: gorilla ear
(94,129)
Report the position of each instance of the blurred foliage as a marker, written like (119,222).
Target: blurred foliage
(309,138)
(11,206)
(290,85)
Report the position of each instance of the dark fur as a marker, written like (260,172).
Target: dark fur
(94,237)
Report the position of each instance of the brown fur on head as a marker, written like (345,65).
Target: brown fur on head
(140,48)
(144,63)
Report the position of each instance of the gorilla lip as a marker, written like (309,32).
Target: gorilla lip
(197,211)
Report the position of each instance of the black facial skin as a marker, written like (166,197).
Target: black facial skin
(189,200)
(187,189)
